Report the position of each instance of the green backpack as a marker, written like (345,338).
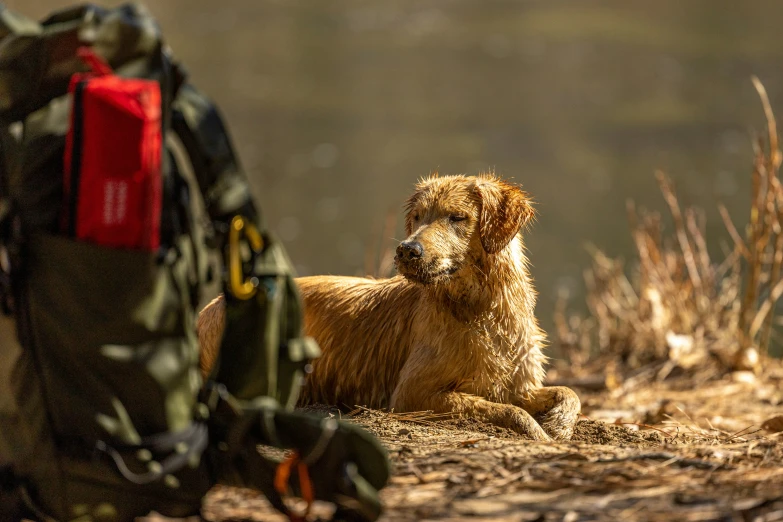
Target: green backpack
(109,417)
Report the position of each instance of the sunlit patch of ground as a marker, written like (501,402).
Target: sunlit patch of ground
(664,451)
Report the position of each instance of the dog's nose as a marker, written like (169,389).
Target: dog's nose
(409,250)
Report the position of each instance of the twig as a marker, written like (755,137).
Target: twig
(696,463)
(739,244)
(775,156)
(647,426)
(738,433)
(682,236)
(765,309)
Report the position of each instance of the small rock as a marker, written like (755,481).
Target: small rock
(743,376)
(404,431)
(747,360)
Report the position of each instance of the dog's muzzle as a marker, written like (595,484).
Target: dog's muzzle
(411,264)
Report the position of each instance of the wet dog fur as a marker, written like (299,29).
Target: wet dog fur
(454,332)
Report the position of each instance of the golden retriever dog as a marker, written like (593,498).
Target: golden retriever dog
(454,332)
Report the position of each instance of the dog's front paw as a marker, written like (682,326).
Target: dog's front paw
(561,414)
(558,427)
(520,421)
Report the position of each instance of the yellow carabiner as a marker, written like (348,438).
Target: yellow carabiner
(240,288)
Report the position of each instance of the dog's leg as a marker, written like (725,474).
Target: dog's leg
(466,405)
(556,408)
(209,325)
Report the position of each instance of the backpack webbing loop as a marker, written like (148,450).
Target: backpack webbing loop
(180,449)
(282,475)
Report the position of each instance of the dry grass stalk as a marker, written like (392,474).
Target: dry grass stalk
(682,308)
(379,257)
(764,239)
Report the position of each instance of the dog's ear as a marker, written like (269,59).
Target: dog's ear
(505,209)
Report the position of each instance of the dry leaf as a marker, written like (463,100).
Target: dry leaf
(774,424)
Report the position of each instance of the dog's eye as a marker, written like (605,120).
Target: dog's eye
(457,217)
(415,217)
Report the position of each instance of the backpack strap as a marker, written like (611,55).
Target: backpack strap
(223,184)
(8,158)
(6,307)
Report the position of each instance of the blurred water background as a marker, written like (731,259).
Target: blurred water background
(338,107)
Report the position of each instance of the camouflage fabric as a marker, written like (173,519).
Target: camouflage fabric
(110,419)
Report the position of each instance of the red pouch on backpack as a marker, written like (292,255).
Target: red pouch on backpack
(112,172)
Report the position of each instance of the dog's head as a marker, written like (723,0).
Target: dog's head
(453,221)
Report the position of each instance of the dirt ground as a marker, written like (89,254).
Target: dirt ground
(678,450)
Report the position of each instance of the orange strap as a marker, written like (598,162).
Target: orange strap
(283,473)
